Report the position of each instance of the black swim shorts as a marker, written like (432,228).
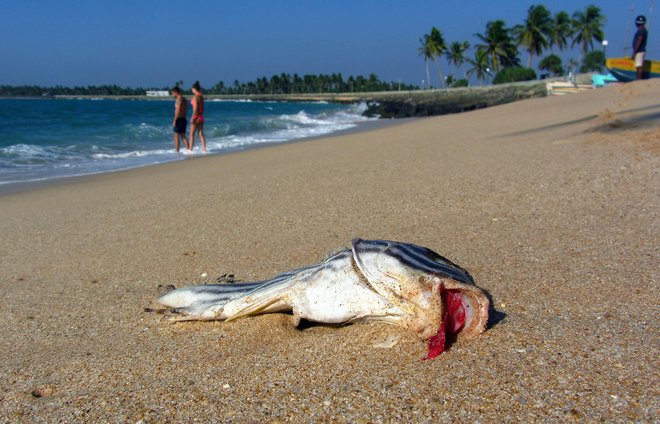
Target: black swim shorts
(180,125)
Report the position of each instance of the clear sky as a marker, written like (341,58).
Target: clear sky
(154,43)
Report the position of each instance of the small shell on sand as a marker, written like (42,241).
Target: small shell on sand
(44,391)
(388,343)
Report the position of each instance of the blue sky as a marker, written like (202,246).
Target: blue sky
(154,43)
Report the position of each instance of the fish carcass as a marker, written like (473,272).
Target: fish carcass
(375,280)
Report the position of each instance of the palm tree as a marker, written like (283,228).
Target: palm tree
(456,53)
(480,65)
(498,45)
(587,27)
(432,46)
(561,30)
(426,51)
(552,64)
(534,33)
(439,47)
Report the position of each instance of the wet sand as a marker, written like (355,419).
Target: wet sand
(551,204)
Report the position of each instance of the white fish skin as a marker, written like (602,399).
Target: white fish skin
(376,280)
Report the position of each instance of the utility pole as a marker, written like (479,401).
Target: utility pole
(649,20)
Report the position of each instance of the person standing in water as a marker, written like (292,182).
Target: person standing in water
(197,119)
(179,123)
(639,44)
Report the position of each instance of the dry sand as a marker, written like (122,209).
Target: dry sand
(552,204)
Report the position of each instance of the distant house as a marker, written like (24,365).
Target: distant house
(157,93)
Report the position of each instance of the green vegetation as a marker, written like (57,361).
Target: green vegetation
(432,46)
(452,82)
(560,30)
(593,62)
(287,84)
(498,44)
(497,48)
(480,65)
(456,55)
(514,74)
(277,84)
(587,27)
(552,64)
(534,33)
(36,91)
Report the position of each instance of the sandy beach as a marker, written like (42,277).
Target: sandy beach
(551,204)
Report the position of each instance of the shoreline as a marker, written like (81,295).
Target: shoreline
(387,104)
(345,97)
(18,187)
(548,203)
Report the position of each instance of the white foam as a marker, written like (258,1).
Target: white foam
(133,154)
(287,127)
(231,100)
(145,142)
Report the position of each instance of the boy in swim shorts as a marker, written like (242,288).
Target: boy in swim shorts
(179,123)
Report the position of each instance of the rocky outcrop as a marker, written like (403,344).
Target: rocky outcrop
(451,100)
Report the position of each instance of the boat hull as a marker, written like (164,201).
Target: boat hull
(623,69)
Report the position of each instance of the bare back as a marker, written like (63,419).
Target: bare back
(180,107)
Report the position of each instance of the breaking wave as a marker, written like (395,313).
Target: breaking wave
(60,138)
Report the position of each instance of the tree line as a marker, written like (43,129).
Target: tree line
(277,84)
(91,90)
(294,84)
(498,46)
(497,51)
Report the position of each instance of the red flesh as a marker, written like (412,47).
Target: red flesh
(452,323)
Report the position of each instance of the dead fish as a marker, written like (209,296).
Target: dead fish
(375,280)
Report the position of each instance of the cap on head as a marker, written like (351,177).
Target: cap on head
(641,20)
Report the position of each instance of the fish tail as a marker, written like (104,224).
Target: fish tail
(203,302)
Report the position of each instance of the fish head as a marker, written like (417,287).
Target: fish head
(438,297)
(379,259)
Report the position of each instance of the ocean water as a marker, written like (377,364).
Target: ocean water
(47,139)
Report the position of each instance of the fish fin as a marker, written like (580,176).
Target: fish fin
(406,255)
(271,296)
(199,311)
(162,289)
(176,314)
(276,295)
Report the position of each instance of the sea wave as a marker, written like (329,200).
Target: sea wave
(20,155)
(132,154)
(283,127)
(144,130)
(106,136)
(231,100)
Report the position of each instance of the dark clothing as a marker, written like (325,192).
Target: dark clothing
(642,34)
(180,125)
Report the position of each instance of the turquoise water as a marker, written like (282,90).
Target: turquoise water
(46,139)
